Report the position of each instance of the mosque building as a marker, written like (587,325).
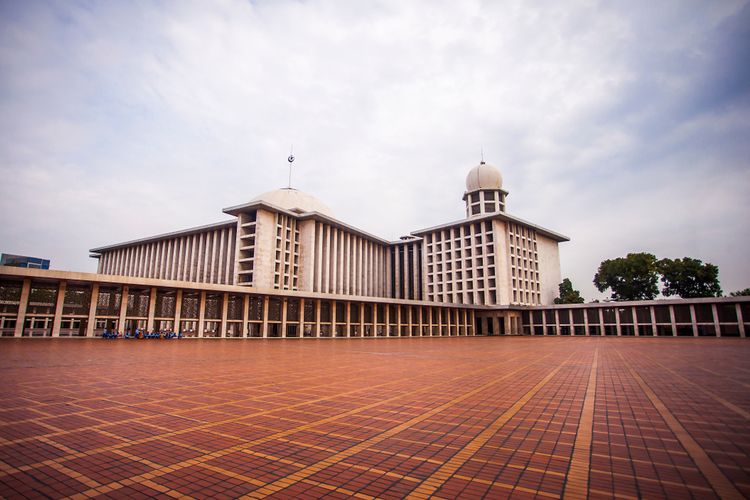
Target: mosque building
(283,265)
(289,240)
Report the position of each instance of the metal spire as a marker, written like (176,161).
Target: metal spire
(290,160)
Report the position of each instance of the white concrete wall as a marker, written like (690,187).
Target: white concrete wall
(549,268)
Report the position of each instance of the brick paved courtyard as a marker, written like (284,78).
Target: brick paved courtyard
(386,418)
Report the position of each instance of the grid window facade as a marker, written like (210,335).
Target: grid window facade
(461,264)
(524,265)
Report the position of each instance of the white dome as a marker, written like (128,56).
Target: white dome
(293,200)
(484,176)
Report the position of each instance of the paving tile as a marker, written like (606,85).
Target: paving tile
(469,418)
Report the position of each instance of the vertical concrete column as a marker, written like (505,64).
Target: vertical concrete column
(652,311)
(59,308)
(397,272)
(473,322)
(496,326)
(420,314)
(531,321)
(284,307)
(429,319)
(634,312)
(246,316)
(544,323)
(327,261)
(354,271)
(347,314)
(224,314)
(317,318)
(617,321)
(334,261)
(202,314)
(176,327)
(398,319)
(586,322)
(318,278)
(557,322)
(151,309)
(91,322)
(387,320)
(672,321)
(347,263)
(740,320)
(717,324)
(22,306)
(362,320)
(334,319)
(221,276)
(301,326)
(123,309)
(264,327)
(693,320)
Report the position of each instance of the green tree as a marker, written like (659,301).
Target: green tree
(689,278)
(633,277)
(567,294)
(741,293)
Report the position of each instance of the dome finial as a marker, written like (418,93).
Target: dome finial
(290,160)
(481,153)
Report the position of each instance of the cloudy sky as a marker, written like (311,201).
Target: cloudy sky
(624,125)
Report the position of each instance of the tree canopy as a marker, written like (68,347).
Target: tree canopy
(741,293)
(633,277)
(689,278)
(567,294)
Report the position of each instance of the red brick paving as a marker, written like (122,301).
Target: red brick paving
(385,418)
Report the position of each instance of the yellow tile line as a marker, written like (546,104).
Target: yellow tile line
(202,426)
(723,487)
(577,482)
(432,483)
(304,473)
(333,418)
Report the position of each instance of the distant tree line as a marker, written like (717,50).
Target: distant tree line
(637,275)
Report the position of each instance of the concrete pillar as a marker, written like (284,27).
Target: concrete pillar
(634,312)
(387,311)
(496,326)
(202,314)
(224,312)
(740,320)
(123,309)
(617,321)
(264,327)
(334,319)
(301,326)
(176,327)
(586,322)
(557,322)
(284,307)
(22,306)
(672,320)
(91,322)
(334,261)
(246,316)
(317,318)
(693,320)
(347,314)
(544,323)
(653,320)
(59,308)
(717,325)
(601,321)
(151,310)
(362,320)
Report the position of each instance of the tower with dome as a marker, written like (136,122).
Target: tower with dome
(287,240)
